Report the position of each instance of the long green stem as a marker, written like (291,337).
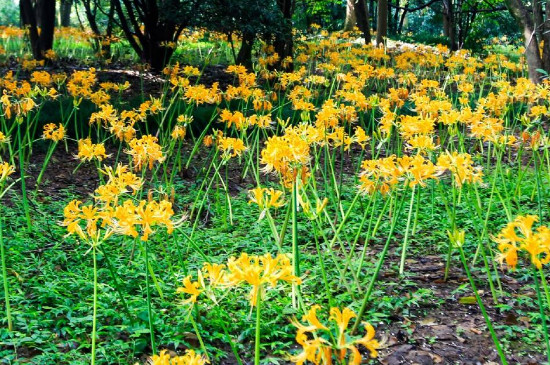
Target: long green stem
(44,165)
(406,239)
(5,277)
(196,328)
(482,307)
(295,251)
(94,316)
(542,314)
(258,333)
(24,196)
(149,308)
(374,276)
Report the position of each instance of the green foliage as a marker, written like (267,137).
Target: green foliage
(9,12)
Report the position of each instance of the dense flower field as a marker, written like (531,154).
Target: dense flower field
(263,219)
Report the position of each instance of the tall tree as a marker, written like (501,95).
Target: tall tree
(248,19)
(449,23)
(102,39)
(381,21)
(351,19)
(284,42)
(152,27)
(35,14)
(362,15)
(65,7)
(527,20)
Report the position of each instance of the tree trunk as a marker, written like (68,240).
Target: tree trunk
(449,28)
(393,19)
(48,24)
(43,41)
(106,46)
(402,21)
(546,39)
(65,7)
(381,22)
(351,18)
(244,57)
(362,15)
(520,13)
(284,43)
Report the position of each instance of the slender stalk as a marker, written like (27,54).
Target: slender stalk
(149,308)
(195,327)
(374,276)
(542,314)
(23,185)
(44,165)
(482,307)
(5,277)
(406,239)
(295,252)
(257,336)
(94,315)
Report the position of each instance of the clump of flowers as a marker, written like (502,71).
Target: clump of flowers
(256,271)
(461,167)
(288,155)
(384,173)
(88,151)
(266,198)
(230,147)
(145,151)
(120,181)
(96,222)
(5,170)
(321,344)
(54,132)
(518,236)
(189,358)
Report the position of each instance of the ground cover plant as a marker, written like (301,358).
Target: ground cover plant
(374,205)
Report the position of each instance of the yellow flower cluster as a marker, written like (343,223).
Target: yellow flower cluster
(145,151)
(230,147)
(266,198)
(288,155)
(384,173)
(96,222)
(256,271)
(54,132)
(190,358)
(461,167)
(321,350)
(120,181)
(518,235)
(87,150)
(6,170)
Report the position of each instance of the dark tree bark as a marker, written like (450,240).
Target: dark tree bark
(521,14)
(546,38)
(244,57)
(449,28)
(284,43)
(65,7)
(393,18)
(402,20)
(381,22)
(362,15)
(101,40)
(40,13)
(149,29)
(542,30)
(351,18)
